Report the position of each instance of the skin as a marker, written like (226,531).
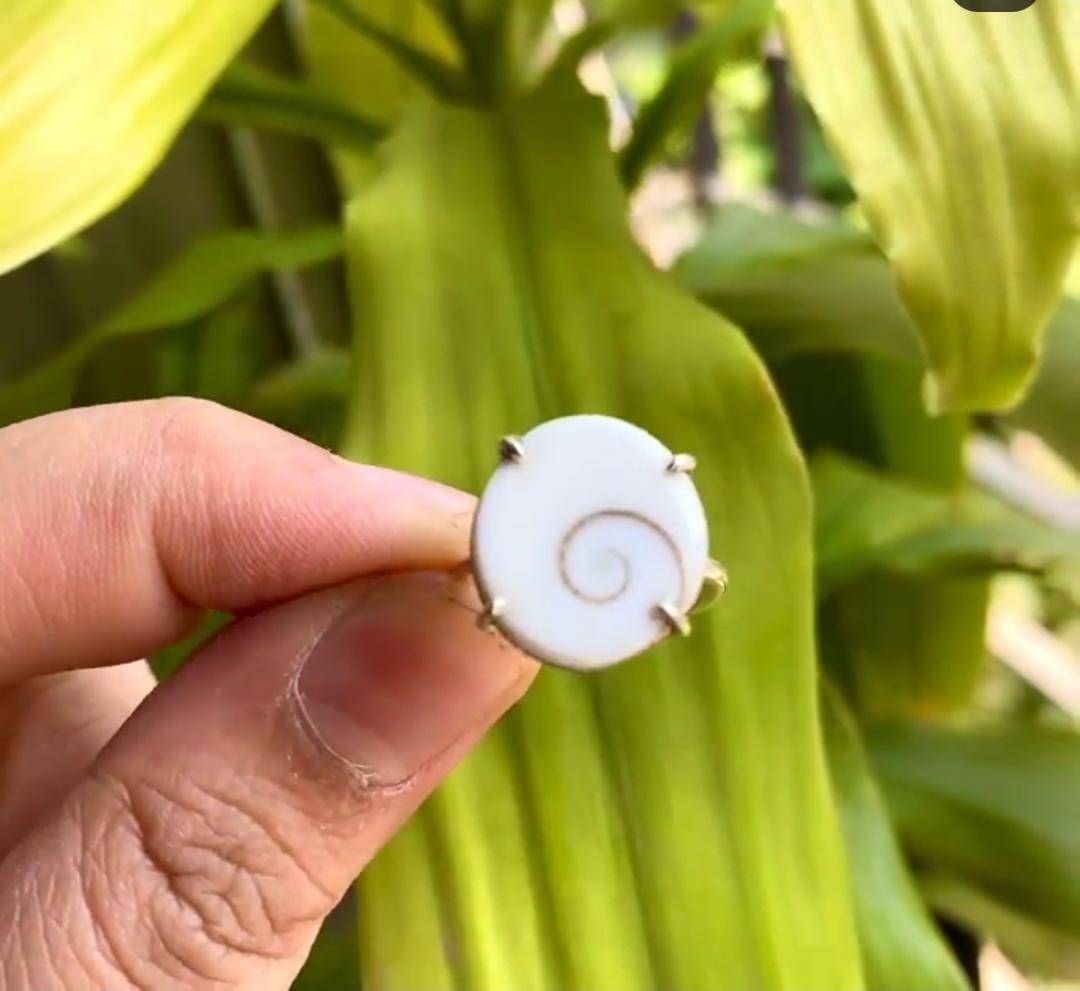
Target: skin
(195,834)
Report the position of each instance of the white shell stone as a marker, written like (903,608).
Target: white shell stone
(578,541)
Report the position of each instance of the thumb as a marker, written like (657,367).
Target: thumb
(231,812)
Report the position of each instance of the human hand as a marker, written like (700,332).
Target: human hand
(196,834)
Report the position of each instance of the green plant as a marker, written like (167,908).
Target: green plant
(699,818)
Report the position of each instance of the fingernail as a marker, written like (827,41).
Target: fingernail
(402,675)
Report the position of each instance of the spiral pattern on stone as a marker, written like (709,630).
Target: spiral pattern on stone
(580,531)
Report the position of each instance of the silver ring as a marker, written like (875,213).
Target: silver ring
(590,543)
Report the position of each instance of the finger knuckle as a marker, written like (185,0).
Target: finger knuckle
(185,422)
(191,437)
(216,886)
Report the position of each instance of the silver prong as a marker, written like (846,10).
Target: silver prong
(682,464)
(491,612)
(714,585)
(675,620)
(511,450)
(716,574)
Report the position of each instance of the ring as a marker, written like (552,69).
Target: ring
(590,543)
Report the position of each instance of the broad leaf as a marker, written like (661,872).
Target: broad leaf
(200,279)
(647,827)
(996,808)
(907,647)
(800,288)
(1037,949)
(901,947)
(867,521)
(900,646)
(94,91)
(916,645)
(961,134)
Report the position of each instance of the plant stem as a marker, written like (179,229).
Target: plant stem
(786,124)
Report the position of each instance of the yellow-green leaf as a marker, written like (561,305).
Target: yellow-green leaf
(961,133)
(901,947)
(799,288)
(93,92)
(362,74)
(425,68)
(867,521)
(649,827)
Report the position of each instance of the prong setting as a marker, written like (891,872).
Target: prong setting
(716,575)
(511,450)
(713,586)
(587,547)
(490,613)
(675,621)
(682,464)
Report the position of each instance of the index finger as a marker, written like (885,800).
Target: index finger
(120,524)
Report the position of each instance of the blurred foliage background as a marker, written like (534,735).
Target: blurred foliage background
(827,248)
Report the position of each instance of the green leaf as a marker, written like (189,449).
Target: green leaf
(916,645)
(817,301)
(899,646)
(200,279)
(996,808)
(322,375)
(867,521)
(860,516)
(961,135)
(94,92)
(1036,949)
(647,827)
(307,396)
(689,79)
(1052,407)
(334,961)
(168,660)
(360,73)
(440,77)
(636,12)
(800,288)
(907,647)
(223,352)
(901,947)
(248,96)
